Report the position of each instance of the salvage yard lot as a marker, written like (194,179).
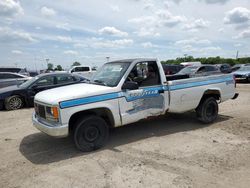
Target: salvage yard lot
(170,151)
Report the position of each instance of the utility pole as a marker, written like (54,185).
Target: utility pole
(47,60)
(237,54)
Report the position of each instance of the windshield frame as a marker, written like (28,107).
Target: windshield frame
(94,79)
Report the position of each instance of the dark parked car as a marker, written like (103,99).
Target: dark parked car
(15,97)
(243,73)
(224,68)
(170,69)
(202,70)
(9,79)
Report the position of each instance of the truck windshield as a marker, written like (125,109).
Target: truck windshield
(110,74)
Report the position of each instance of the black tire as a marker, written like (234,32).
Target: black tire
(90,133)
(207,111)
(13,102)
(248,79)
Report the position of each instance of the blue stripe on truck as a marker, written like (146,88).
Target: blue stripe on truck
(87,100)
(201,83)
(110,96)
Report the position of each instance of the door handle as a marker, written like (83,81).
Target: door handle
(161,91)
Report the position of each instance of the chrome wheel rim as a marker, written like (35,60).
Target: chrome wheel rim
(15,103)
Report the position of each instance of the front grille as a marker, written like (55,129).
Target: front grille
(239,76)
(40,111)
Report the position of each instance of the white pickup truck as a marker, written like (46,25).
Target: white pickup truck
(123,92)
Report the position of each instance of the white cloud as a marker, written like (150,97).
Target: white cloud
(64,26)
(70,52)
(147,32)
(193,41)
(244,34)
(115,8)
(204,50)
(148,5)
(197,24)
(113,31)
(148,45)
(9,35)
(48,12)
(10,8)
(18,52)
(142,20)
(64,39)
(237,15)
(167,19)
(80,45)
(100,43)
(216,1)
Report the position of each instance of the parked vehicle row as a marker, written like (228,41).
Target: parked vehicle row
(17,96)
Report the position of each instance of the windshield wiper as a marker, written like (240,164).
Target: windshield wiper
(100,82)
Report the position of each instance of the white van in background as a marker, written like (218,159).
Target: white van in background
(191,63)
(85,71)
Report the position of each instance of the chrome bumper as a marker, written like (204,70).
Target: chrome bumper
(55,131)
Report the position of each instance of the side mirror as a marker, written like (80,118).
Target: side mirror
(130,85)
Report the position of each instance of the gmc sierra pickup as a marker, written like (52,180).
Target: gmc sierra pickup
(123,92)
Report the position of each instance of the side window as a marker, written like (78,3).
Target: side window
(81,69)
(201,70)
(47,81)
(63,79)
(210,68)
(145,74)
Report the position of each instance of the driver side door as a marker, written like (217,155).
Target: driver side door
(44,83)
(148,99)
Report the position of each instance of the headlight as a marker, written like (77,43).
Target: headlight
(52,114)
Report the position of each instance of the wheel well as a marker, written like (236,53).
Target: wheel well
(211,93)
(105,113)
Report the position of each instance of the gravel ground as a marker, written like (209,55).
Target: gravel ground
(170,151)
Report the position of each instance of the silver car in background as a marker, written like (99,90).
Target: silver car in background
(9,79)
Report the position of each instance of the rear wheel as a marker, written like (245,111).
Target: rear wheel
(13,102)
(91,133)
(207,111)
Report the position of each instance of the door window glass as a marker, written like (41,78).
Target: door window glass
(45,81)
(145,74)
(63,79)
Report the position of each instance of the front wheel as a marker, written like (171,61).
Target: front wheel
(207,111)
(13,103)
(91,133)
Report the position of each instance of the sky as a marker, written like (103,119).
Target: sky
(65,31)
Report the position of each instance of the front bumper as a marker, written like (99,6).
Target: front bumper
(55,131)
(235,96)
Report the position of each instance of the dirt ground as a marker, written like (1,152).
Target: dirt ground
(171,151)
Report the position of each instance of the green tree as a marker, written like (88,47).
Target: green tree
(76,63)
(50,66)
(59,68)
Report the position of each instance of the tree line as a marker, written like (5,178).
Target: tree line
(208,60)
(50,66)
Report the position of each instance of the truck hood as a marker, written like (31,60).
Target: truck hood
(76,91)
